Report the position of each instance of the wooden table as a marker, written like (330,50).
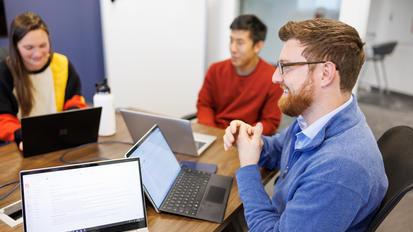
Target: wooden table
(11,162)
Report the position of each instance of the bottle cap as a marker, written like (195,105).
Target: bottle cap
(102,87)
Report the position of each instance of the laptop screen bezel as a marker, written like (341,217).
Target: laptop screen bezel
(111,227)
(131,151)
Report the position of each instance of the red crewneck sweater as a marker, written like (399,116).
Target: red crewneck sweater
(226,96)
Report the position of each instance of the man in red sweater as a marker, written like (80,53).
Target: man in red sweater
(241,87)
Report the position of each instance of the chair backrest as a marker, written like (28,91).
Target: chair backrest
(396,146)
(4,52)
(384,48)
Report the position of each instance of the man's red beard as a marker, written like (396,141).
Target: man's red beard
(295,104)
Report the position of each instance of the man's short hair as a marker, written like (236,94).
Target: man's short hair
(329,40)
(253,24)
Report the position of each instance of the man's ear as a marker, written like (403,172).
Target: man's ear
(258,46)
(329,74)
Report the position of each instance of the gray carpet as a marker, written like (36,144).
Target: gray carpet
(384,111)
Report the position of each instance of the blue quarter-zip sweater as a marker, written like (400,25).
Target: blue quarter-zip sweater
(336,182)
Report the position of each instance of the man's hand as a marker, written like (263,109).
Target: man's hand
(249,144)
(231,133)
(247,139)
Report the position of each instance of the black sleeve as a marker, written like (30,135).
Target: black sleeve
(8,103)
(18,137)
(73,86)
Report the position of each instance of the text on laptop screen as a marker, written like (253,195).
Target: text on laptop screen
(83,198)
(159,165)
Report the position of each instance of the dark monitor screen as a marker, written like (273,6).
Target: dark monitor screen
(3,23)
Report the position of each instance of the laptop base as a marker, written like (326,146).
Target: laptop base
(214,201)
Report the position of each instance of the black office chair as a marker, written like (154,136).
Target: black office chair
(396,146)
(379,52)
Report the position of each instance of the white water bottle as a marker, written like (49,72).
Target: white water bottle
(104,98)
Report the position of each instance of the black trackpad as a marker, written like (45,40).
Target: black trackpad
(216,194)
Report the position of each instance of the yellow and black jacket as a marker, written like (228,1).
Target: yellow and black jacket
(67,88)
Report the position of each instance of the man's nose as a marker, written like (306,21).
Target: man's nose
(276,77)
(232,47)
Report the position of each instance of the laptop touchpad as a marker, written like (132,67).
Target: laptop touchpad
(216,194)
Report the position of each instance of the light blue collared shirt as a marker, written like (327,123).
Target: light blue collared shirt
(309,132)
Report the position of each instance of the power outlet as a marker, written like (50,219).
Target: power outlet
(12,214)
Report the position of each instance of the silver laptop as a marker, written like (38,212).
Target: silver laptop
(175,189)
(178,132)
(98,196)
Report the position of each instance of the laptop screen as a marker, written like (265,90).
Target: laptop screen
(94,196)
(159,165)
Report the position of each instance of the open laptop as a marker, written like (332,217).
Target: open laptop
(178,132)
(52,132)
(175,189)
(98,196)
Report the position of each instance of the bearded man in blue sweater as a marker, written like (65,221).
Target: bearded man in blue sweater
(332,176)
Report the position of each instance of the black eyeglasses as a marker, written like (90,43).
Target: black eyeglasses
(281,65)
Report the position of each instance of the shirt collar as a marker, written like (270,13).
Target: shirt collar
(44,66)
(312,130)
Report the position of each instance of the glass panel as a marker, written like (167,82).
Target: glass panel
(275,13)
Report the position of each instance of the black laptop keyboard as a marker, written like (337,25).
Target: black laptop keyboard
(186,194)
(199,144)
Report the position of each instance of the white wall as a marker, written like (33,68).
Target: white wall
(356,17)
(156,57)
(392,20)
(221,13)
(155,53)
